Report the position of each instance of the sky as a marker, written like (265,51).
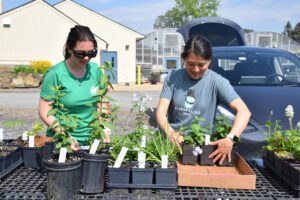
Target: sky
(139,15)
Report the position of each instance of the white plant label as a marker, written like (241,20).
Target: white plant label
(143,142)
(62,155)
(164,161)
(31,141)
(94,146)
(25,135)
(121,157)
(207,139)
(141,159)
(1,135)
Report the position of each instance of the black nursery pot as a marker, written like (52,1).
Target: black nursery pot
(119,176)
(188,158)
(63,179)
(142,176)
(48,149)
(93,172)
(206,151)
(226,163)
(166,177)
(33,157)
(295,174)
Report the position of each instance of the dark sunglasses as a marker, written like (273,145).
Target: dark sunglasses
(82,54)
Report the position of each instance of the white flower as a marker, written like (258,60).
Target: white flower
(145,127)
(289,112)
(143,109)
(298,125)
(197,151)
(271,113)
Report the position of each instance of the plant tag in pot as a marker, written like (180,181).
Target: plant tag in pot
(25,135)
(1,135)
(121,157)
(31,141)
(143,142)
(207,139)
(62,155)
(141,159)
(94,146)
(164,161)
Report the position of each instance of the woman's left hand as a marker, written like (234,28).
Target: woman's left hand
(223,150)
(107,132)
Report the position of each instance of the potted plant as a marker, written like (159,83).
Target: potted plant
(119,176)
(63,169)
(192,142)
(221,129)
(33,150)
(163,153)
(283,149)
(154,77)
(95,161)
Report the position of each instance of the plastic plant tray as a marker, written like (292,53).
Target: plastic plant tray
(26,184)
(295,187)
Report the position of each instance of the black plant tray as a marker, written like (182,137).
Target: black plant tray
(142,186)
(284,178)
(24,184)
(11,168)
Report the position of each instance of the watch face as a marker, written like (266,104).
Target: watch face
(235,138)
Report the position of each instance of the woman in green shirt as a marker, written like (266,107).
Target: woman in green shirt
(80,78)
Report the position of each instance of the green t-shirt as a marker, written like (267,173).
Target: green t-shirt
(79,99)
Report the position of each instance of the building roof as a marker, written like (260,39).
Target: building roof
(138,35)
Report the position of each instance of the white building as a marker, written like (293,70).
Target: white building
(38,31)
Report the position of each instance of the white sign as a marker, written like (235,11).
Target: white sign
(207,139)
(143,142)
(31,141)
(1,135)
(62,155)
(141,159)
(25,135)
(121,157)
(164,161)
(94,146)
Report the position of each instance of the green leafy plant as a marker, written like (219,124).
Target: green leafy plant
(101,117)
(196,135)
(64,123)
(117,142)
(154,77)
(23,68)
(296,153)
(221,128)
(282,142)
(13,123)
(36,129)
(158,146)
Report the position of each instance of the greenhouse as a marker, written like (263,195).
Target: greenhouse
(159,52)
(272,40)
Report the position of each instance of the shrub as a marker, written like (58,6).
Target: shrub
(23,68)
(40,66)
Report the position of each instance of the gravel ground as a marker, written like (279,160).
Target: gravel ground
(125,121)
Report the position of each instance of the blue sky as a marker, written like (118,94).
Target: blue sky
(260,15)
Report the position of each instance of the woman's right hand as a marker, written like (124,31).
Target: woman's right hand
(176,137)
(75,145)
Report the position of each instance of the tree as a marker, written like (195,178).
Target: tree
(288,29)
(184,10)
(296,32)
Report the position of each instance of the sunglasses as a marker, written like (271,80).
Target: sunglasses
(82,54)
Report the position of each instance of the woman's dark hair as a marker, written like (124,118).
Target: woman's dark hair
(78,33)
(199,46)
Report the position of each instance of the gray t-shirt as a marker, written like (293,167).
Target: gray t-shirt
(190,98)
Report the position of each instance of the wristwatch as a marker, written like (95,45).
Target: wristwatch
(233,137)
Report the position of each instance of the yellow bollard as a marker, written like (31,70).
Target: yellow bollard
(139,75)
